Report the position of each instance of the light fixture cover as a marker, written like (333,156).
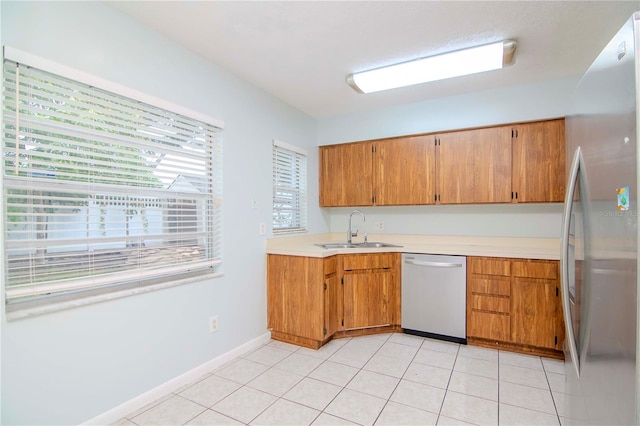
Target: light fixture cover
(447,65)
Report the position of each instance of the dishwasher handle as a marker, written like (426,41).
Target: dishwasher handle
(433,264)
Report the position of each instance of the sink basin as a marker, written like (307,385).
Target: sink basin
(375,245)
(329,246)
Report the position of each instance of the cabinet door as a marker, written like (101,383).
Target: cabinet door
(346,175)
(295,299)
(474,166)
(331,314)
(534,311)
(368,298)
(404,171)
(539,162)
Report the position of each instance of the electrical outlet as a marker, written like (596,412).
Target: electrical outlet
(262,228)
(379,225)
(213,324)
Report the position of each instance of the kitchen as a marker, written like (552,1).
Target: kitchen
(107,345)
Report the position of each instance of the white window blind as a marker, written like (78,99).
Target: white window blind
(103,192)
(289,188)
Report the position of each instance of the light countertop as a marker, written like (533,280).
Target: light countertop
(514,247)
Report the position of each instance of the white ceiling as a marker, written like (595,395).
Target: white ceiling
(301,52)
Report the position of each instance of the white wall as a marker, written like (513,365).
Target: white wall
(67,367)
(535,101)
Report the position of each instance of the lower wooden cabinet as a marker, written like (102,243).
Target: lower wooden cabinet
(296,299)
(310,300)
(515,304)
(371,290)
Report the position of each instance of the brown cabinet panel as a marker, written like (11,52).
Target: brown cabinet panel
(404,171)
(295,295)
(346,175)
(368,299)
(369,261)
(539,162)
(474,166)
(490,303)
(330,265)
(332,315)
(489,266)
(489,326)
(534,311)
(499,286)
(535,269)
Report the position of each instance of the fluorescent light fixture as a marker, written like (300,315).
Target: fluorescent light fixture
(447,65)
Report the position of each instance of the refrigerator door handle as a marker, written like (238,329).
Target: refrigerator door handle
(576,163)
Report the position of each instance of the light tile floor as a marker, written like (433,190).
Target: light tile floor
(386,379)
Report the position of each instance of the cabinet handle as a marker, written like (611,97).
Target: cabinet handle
(434,264)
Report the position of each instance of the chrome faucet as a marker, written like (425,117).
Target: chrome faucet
(353,234)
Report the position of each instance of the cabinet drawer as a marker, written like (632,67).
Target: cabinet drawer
(536,269)
(489,266)
(491,303)
(490,285)
(489,326)
(353,262)
(330,265)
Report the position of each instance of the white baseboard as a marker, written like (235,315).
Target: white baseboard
(140,401)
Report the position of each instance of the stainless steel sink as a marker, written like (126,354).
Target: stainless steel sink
(375,245)
(329,246)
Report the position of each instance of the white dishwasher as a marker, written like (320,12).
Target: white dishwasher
(434,296)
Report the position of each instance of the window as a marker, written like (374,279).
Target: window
(289,188)
(103,192)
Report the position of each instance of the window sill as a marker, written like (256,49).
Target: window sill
(289,232)
(70,304)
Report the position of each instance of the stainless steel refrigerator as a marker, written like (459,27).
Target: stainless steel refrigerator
(600,239)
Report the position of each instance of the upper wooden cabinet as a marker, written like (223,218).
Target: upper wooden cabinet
(346,173)
(404,171)
(539,162)
(517,163)
(397,171)
(474,166)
